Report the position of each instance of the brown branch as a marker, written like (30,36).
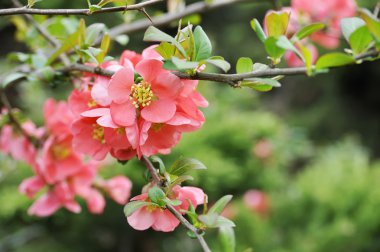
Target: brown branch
(159,21)
(178,215)
(85,12)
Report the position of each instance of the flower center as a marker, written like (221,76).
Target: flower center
(141,94)
(60,152)
(98,133)
(92,104)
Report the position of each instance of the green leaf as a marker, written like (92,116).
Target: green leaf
(89,56)
(133,206)
(11,78)
(219,206)
(93,32)
(175,202)
(244,65)
(360,40)
(224,222)
(104,46)
(209,220)
(122,39)
(373,23)
(94,7)
(203,47)
(219,62)
(156,194)
(31,3)
(38,61)
(154,34)
(284,43)
(185,165)
(308,58)
(161,164)
(277,23)
(349,25)
(166,50)
(183,64)
(227,239)
(264,81)
(307,31)
(334,60)
(273,49)
(255,24)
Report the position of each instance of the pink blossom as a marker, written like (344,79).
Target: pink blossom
(256,201)
(162,219)
(119,188)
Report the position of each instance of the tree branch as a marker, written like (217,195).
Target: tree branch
(85,12)
(178,215)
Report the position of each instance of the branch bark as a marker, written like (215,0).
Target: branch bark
(85,12)
(178,215)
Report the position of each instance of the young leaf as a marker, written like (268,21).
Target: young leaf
(183,64)
(349,25)
(209,220)
(219,62)
(156,194)
(203,47)
(308,58)
(277,23)
(264,81)
(32,2)
(104,46)
(161,164)
(227,239)
(133,206)
(94,7)
(166,50)
(93,32)
(284,43)
(184,165)
(11,78)
(122,39)
(373,23)
(154,34)
(255,24)
(360,39)
(273,49)
(244,65)
(219,206)
(334,60)
(307,31)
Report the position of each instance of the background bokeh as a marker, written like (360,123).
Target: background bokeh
(312,146)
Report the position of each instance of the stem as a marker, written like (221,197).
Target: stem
(85,12)
(178,215)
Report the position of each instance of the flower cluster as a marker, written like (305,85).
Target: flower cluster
(142,109)
(63,172)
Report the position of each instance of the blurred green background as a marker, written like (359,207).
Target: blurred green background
(321,172)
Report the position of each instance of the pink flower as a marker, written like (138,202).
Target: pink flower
(119,188)
(162,219)
(256,201)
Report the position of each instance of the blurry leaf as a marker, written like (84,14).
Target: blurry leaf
(219,206)
(169,65)
(308,30)
(11,78)
(184,65)
(104,46)
(90,56)
(133,206)
(265,81)
(277,23)
(94,7)
(161,164)
(156,194)
(284,43)
(258,29)
(194,19)
(219,62)
(373,23)
(224,222)
(154,34)
(244,65)
(38,61)
(360,39)
(185,165)
(333,60)
(93,32)
(349,25)
(122,39)
(31,3)
(19,57)
(273,49)
(166,50)
(260,67)
(203,47)
(209,219)
(174,202)
(227,239)
(105,2)
(47,73)
(308,58)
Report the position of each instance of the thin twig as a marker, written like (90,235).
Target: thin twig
(152,170)
(85,12)
(377,9)
(178,215)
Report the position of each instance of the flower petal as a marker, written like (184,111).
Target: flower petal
(123,114)
(141,219)
(159,111)
(120,85)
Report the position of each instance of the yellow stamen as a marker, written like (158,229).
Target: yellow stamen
(98,133)
(60,152)
(157,126)
(141,94)
(92,104)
